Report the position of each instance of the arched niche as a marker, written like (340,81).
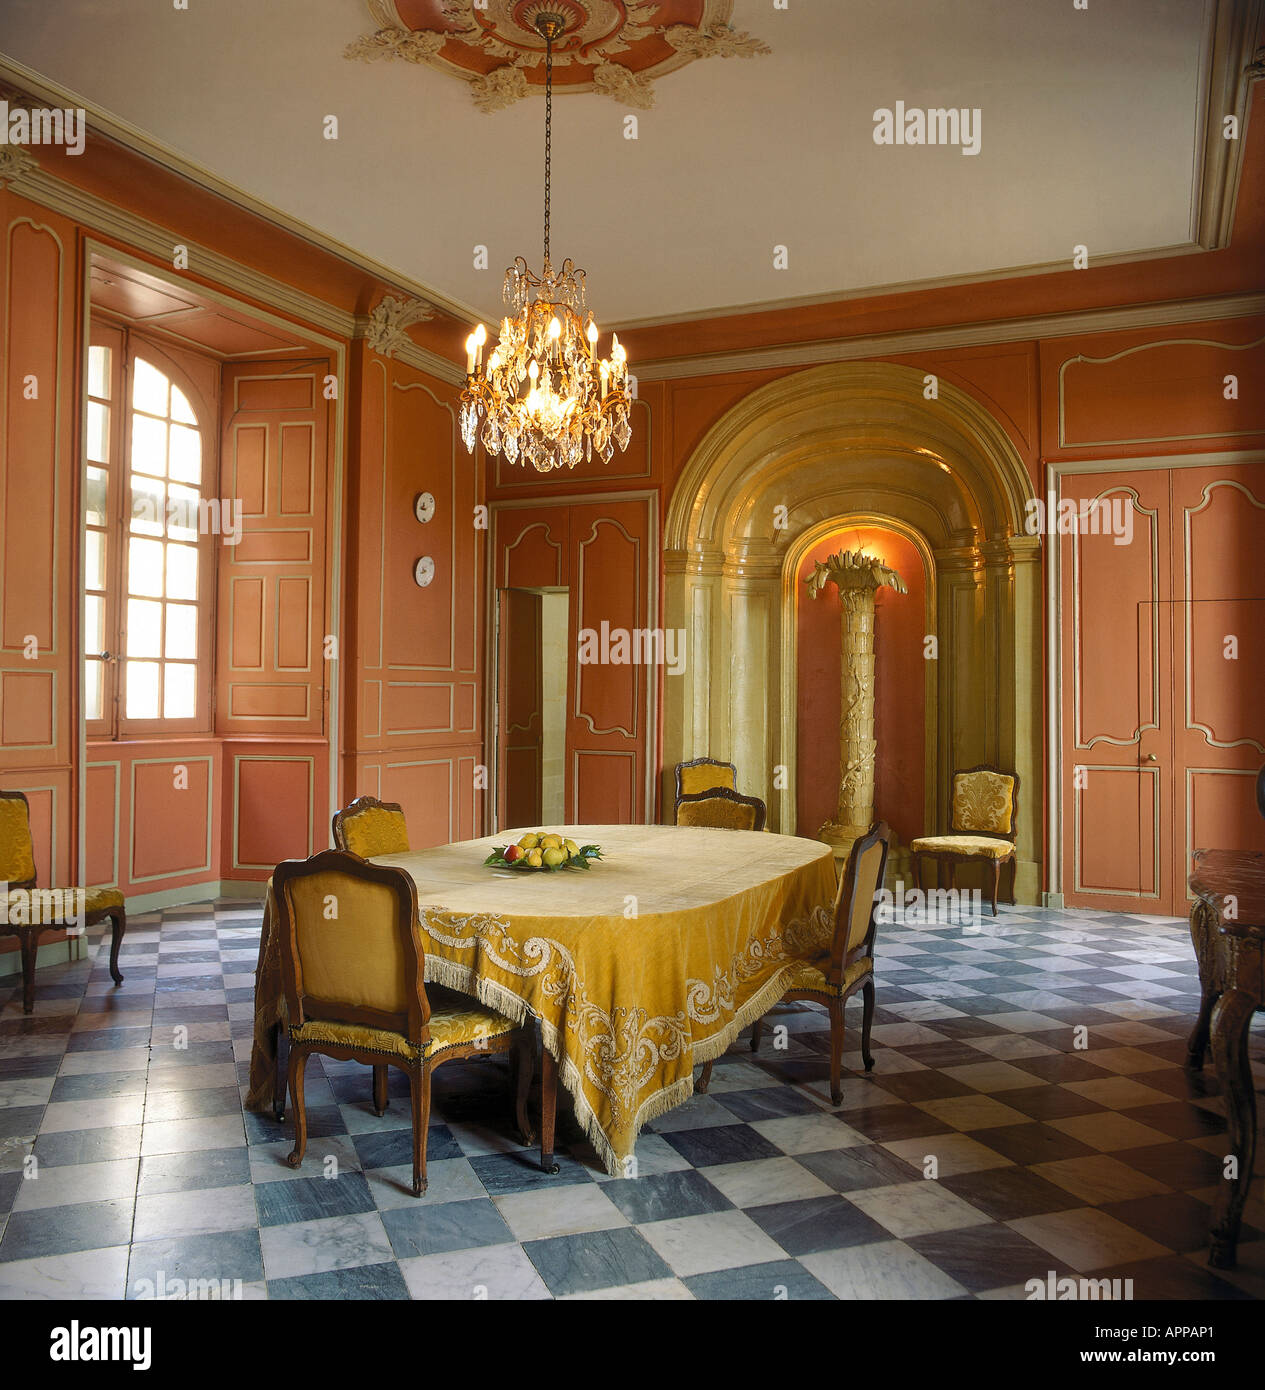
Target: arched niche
(796,458)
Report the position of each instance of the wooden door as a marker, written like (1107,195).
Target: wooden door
(1218,547)
(1117,696)
(607,717)
(1163,668)
(519,709)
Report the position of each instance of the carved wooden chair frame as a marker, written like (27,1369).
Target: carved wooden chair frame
(29,934)
(835,996)
(413,1024)
(724,794)
(701,762)
(353,809)
(953,858)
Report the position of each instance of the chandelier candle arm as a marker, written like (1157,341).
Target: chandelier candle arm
(545,397)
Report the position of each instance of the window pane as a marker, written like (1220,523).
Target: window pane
(94,496)
(149,388)
(144,628)
(182,631)
(142,689)
(99,371)
(180,407)
(186,454)
(149,505)
(182,571)
(98,432)
(92,689)
(180,699)
(182,512)
(149,445)
(94,560)
(94,624)
(145,567)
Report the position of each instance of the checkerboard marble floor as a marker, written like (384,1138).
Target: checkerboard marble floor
(1086,1153)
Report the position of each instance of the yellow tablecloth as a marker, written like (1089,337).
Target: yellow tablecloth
(638,969)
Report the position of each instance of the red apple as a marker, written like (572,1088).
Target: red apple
(512,852)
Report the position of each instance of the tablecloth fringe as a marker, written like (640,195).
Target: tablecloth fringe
(496,996)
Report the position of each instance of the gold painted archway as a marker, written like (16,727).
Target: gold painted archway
(808,451)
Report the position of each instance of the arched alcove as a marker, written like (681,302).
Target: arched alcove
(808,453)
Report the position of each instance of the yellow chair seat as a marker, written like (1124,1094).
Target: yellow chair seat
(972,846)
(807,975)
(102,899)
(455,1019)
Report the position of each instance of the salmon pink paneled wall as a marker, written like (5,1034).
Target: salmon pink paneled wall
(413,726)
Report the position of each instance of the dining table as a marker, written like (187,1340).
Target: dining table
(637,969)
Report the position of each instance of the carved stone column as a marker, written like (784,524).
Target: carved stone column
(858,577)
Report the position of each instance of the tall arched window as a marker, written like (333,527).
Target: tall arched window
(147,586)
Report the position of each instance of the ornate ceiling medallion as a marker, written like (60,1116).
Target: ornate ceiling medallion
(616,47)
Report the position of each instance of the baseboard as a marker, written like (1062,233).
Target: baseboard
(1052,900)
(69,948)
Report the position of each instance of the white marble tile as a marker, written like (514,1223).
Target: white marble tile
(187,1136)
(954,1153)
(25,1090)
(491,1272)
(119,1059)
(336,1242)
(699,1112)
(991,1077)
(268,1161)
(975,1112)
(197,1213)
(765,1180)
(85,1275)
(806,1134)
(447,1179)
(715,1240)
(1006,1046)
(93,1114)
(886,1269)
(60,1186)
(196,1078)
(653,1154)
(916,1208)
(536,1215)
(1087,1239)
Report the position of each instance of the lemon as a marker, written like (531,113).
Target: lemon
(551,842)
(572,848)
(555,856)
(529,841)
(533,858)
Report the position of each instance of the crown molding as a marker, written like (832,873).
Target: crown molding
(103,123)
(961,335)
(401,348)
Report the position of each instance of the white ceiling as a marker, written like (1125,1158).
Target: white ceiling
(1089,136)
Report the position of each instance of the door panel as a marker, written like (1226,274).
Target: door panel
(1219,649)
(1117,770)
(519,709)
(1163,664)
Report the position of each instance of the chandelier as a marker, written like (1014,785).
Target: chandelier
(544,396)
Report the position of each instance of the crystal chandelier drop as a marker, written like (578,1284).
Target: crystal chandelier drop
(544,396)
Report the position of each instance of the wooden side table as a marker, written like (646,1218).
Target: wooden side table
(1227,926)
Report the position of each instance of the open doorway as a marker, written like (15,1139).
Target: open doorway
(531,714)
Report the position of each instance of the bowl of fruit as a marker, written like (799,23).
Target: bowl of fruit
(543,851)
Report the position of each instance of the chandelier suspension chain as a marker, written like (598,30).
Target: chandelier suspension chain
(548,130)
(545,396)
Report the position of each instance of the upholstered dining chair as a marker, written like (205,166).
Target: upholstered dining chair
(17,873)
(847,964)
(702,774)
(721,809)
(352,966)
(369,827)
(985,810)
